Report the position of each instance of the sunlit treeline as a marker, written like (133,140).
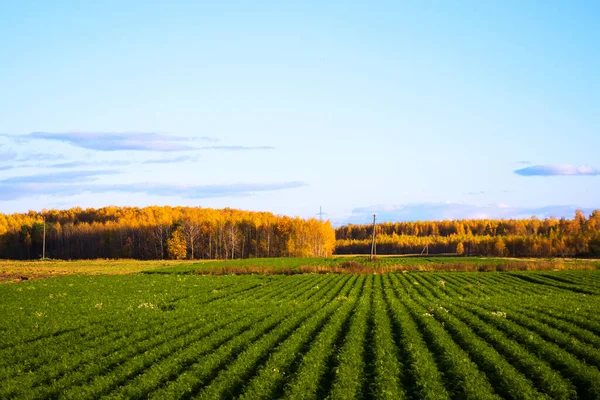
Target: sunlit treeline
(516,237)
(161,233)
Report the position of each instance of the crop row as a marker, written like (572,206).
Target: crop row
(391,336)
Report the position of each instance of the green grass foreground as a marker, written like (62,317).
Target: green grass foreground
(432,335)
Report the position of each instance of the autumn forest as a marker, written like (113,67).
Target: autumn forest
(162,233)
(532,237)
(202,233)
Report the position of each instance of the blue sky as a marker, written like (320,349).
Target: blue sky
(438,109)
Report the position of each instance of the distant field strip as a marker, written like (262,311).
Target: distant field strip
(417,335)
(362,265)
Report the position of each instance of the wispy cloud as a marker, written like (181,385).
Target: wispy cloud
(115,141)
(237,148)
(7,156)
(119,163)
(171,160)
(71,183)
(84,164)
(121,141)
(57,184)
(558,170)
(11,160)
(80,164)
(58,177)
(524,162)
(40,157)
(454,211)
(481,192)
(67,165)
(198,191)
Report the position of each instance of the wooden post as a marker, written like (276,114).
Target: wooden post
(44,241)
(373,249)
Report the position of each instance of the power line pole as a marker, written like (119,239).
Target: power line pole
(321,213)
(44,240)
(373,249)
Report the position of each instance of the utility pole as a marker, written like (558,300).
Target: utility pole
(44,240)
(321,213)
(373,248)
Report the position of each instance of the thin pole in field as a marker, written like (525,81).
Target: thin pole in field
(44,240)
(373,248)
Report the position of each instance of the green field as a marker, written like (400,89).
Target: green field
(433,335)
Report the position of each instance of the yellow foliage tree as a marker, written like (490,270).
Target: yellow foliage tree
(176,246)
(460,249)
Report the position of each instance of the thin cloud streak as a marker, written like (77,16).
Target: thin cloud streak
(79,164)
(114,163)
(171,160)
(558,170)
(15,157)
(5,156)
(119,163)
(117,141)
(237,148)
(57,177)
(198,191)
(40,157)
(74,183)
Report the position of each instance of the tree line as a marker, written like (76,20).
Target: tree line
(531,237)
(161,233)
(203,233)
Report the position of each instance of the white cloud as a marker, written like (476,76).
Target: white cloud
(558,170)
